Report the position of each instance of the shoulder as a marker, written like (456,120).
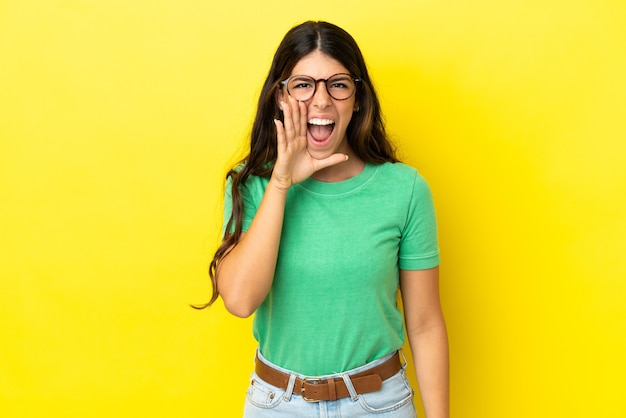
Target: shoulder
(404,182)
(402,174)
(251,179)
(397,169)
(253,185)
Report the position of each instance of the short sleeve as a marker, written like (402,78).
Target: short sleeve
(251,192)
(419,246)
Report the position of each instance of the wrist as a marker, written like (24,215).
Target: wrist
(278,185)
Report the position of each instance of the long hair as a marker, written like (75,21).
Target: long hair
(365,133)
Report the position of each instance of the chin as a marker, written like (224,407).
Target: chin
(319,154)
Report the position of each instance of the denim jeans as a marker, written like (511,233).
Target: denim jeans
(394,400)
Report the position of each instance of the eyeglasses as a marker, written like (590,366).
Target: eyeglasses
(339,86)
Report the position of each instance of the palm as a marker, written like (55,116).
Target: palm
(294,163)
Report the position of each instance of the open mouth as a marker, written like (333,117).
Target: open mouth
(320,129)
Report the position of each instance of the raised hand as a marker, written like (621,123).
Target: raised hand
(294,163)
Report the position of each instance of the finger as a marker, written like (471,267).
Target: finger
(303,122)
(295,116)
(280,135)
(287,120)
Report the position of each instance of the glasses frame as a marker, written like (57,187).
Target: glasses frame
(325,80)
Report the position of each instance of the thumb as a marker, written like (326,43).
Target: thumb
(330,161)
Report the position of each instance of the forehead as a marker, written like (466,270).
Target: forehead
(318,65)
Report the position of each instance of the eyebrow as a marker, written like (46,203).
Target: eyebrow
(337,75)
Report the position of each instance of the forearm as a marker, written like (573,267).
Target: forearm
(245,275)
(430,356)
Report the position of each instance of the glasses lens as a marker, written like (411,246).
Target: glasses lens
(301,87)
(340,86)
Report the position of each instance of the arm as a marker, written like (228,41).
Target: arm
(428,338)
(245,275)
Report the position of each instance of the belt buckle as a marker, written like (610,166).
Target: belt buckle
(311,381)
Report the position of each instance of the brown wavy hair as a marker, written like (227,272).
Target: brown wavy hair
(365,133)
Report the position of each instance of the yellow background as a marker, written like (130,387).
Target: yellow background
(118,119)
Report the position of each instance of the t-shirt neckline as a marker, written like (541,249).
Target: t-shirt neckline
(340,187)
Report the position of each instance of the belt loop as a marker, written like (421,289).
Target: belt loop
(404,362)
(290,386)
(346,379)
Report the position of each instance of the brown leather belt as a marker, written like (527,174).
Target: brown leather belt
(315,390)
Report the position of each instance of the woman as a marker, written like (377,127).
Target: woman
(322,226)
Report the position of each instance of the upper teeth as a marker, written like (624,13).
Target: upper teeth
(316,121)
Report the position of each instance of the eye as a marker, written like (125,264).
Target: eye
(340,83)
(301,83)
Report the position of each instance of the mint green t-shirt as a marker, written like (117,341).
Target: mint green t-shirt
(332,306)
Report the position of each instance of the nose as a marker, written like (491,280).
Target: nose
(321,98)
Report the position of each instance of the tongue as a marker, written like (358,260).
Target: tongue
(320,132)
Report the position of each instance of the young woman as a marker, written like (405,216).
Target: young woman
(323,226)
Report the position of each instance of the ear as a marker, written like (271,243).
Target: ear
(279,96)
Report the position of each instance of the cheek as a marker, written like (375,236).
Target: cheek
(346,115)
(345,109)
